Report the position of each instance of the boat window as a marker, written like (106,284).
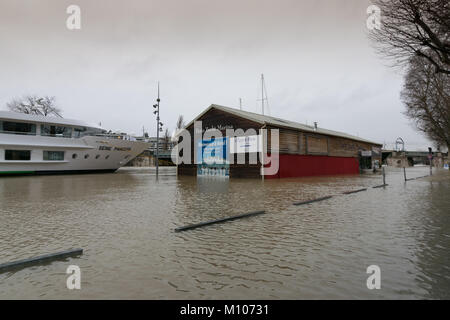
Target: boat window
(78,132)
(97,156)
(74,156)
(81,132)
(86,156)
(56,131)
(54,155)
(107,157)
(17,154)
(17,127)
(94,132)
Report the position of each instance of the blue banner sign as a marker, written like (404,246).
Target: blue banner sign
(212,158)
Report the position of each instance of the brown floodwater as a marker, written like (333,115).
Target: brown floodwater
(125,223)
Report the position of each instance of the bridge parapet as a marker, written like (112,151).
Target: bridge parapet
(402,159)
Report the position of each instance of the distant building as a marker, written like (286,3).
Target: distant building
(303,150)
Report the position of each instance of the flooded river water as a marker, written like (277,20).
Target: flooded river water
(125,223)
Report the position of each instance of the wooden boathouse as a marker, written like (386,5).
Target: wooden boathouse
(303,150)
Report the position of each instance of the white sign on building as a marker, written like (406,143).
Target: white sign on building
(245,144)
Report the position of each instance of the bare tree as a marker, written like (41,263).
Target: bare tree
(426,95)
(166,139)
(414,28)
(180,122)
(31,104)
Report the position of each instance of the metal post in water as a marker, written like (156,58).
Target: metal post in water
(404,172)
(430,157)
(384,176)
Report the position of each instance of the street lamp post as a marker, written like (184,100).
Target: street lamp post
(158,129)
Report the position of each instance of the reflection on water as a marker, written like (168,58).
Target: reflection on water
(125,221)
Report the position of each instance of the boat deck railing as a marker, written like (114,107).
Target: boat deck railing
(75,136)
(18,132)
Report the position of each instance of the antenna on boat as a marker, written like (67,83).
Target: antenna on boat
(55,112)
(240,103)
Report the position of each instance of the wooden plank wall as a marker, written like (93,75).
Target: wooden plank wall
(289,141)
(316,144)
(304,143)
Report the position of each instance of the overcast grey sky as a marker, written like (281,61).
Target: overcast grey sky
(315,55)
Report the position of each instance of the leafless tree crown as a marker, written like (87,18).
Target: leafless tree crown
(426,95)
(44,106)
(180,122)
(166,139)
(414,28)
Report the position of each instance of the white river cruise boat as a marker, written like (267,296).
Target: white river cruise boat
(32,144)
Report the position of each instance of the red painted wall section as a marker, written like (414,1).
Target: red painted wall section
(292,165)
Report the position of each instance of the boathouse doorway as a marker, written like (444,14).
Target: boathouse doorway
(365,160)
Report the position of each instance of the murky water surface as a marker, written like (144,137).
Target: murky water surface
(125,224)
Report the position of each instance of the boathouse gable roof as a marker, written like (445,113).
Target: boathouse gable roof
(277,122)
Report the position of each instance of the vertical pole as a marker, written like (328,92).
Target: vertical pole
(384,176)
(431,166)
(157,134)
(261,133)
(262,93)
(430,157)
(404,172)
(262,156)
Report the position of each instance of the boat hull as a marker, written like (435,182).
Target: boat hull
(89,154)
